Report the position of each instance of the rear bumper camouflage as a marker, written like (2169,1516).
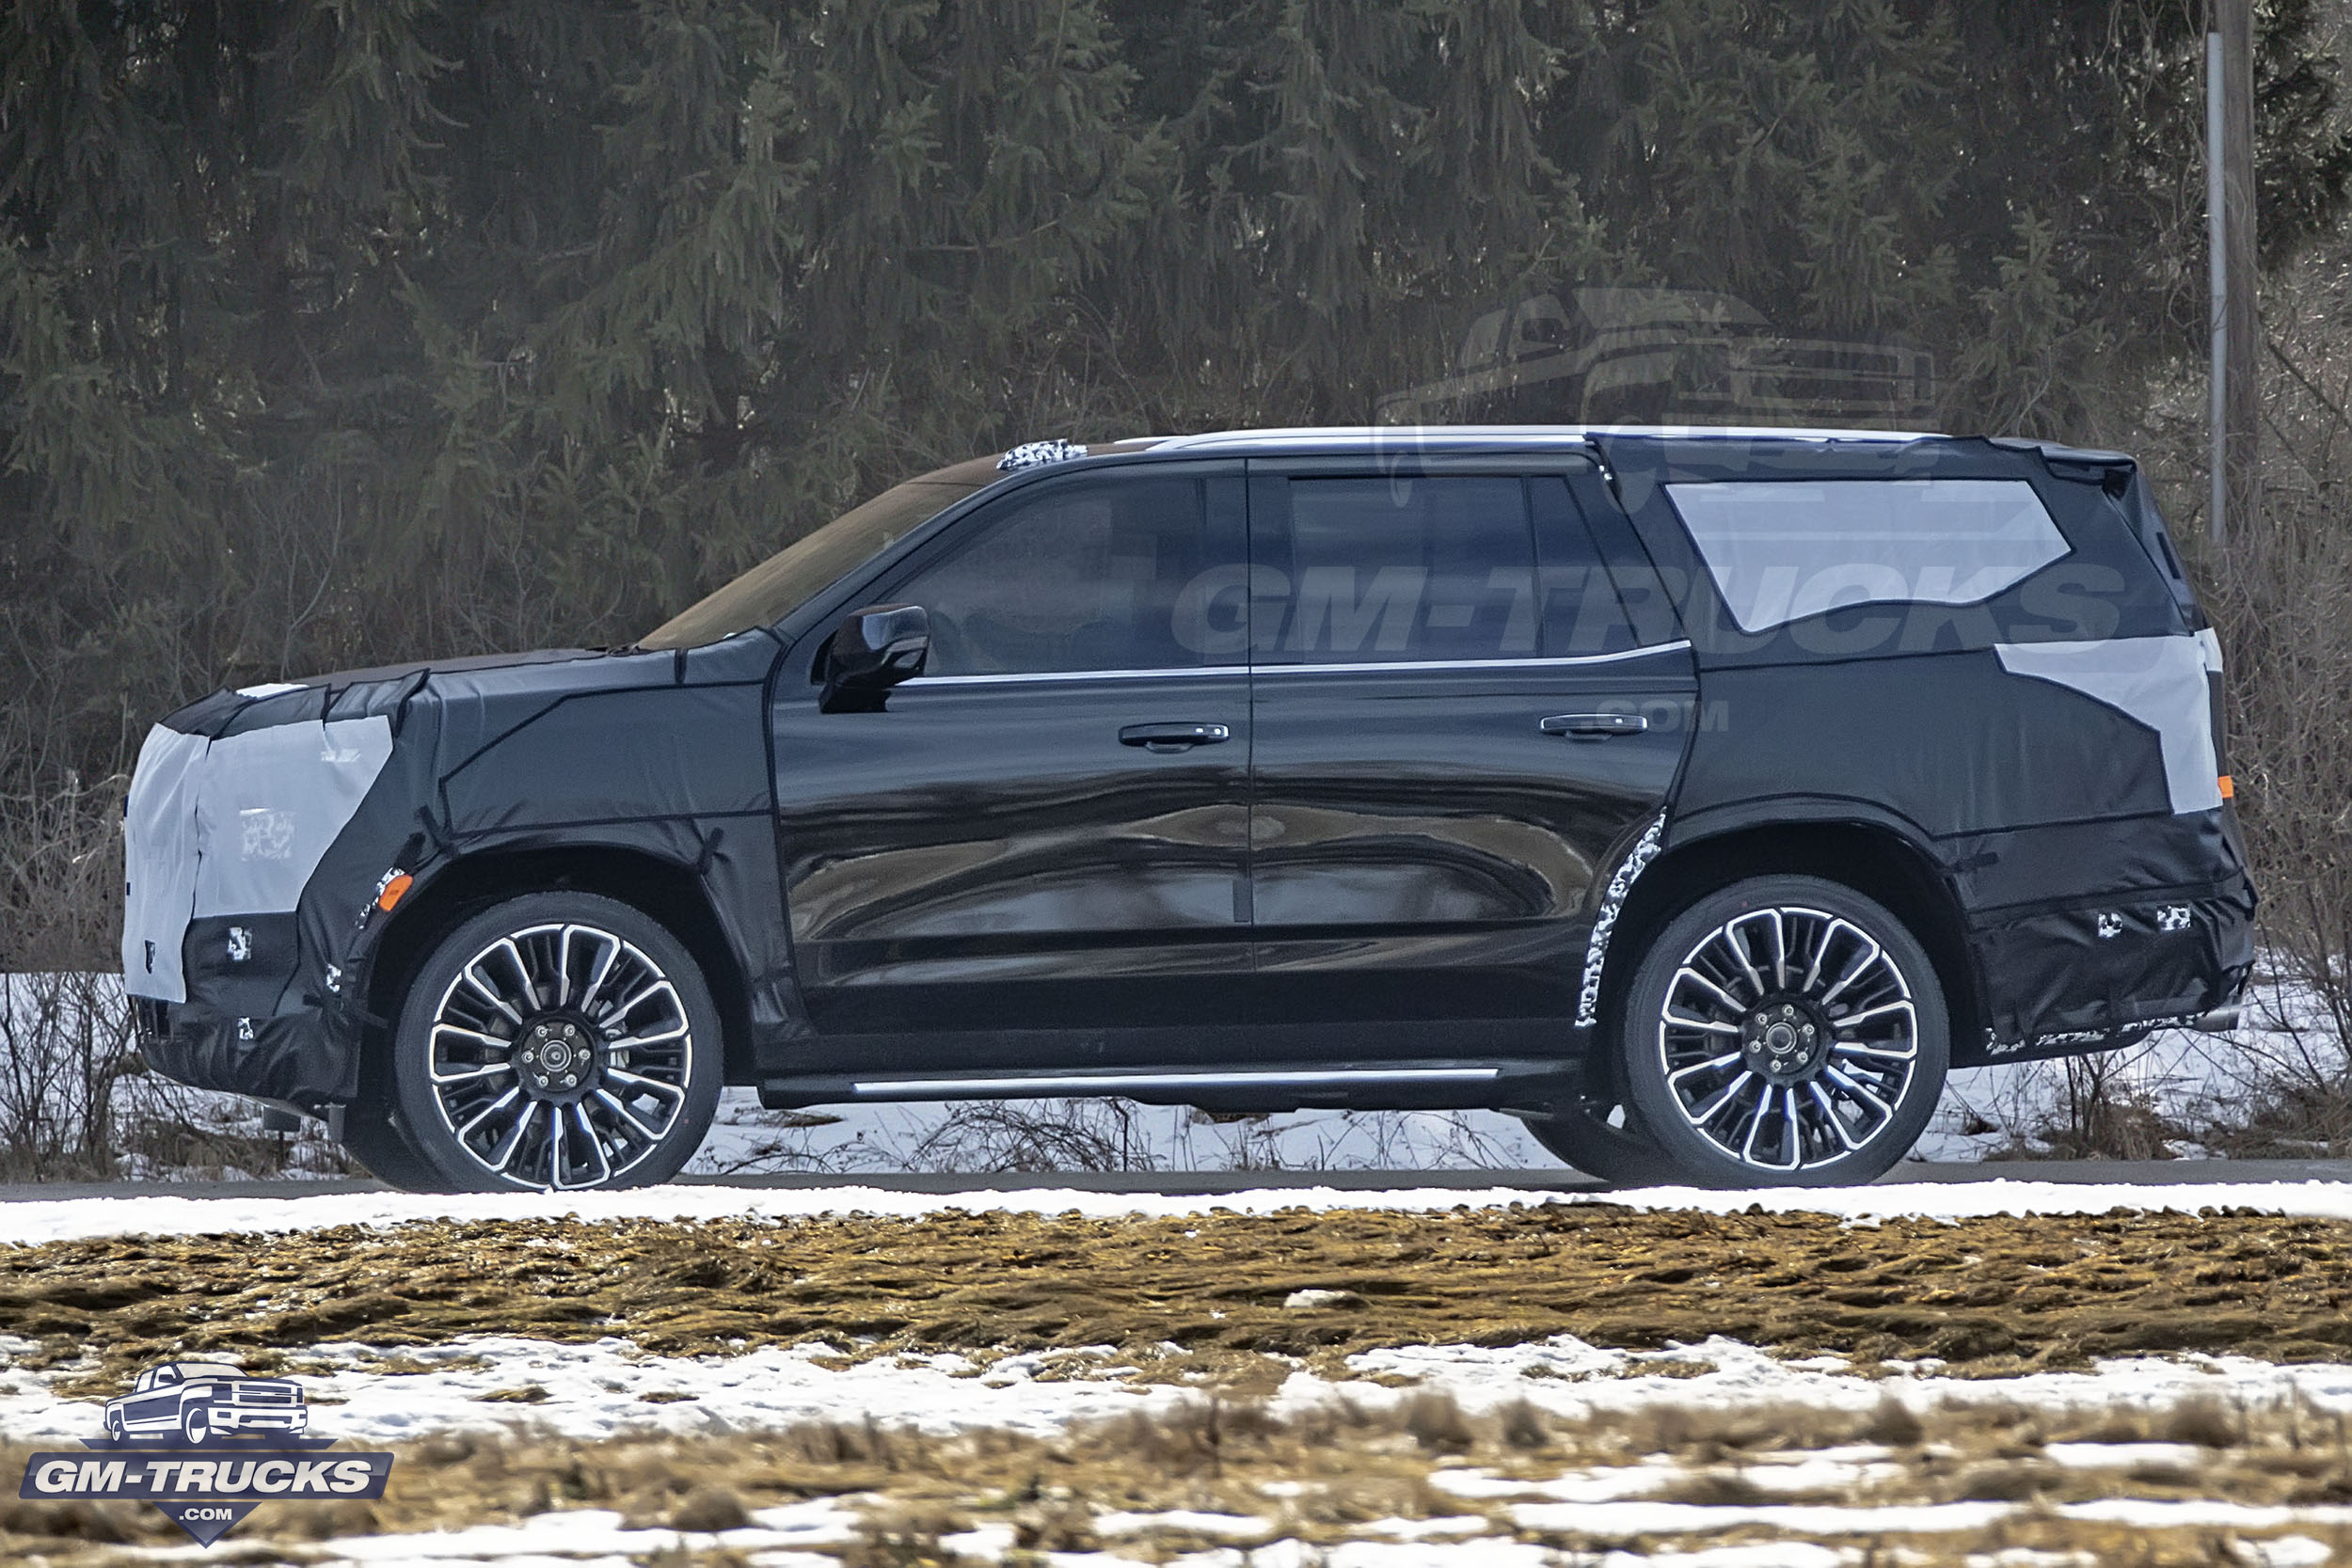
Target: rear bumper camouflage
(2106,971)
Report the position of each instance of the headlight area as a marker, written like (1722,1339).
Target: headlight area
(222,836)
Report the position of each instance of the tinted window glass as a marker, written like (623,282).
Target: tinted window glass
(1087,576)
(1582,611)
(1384,570)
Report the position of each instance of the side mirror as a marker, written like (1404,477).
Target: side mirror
(871,651)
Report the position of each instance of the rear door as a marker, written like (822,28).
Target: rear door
(1040,847)
(1457,727)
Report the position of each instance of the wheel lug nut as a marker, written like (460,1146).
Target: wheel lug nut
(570,1080)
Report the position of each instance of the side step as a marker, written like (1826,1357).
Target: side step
(1417,1085)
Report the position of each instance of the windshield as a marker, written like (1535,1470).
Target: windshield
(790,577)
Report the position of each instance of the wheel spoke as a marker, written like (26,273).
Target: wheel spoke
(488,1111)
(622,1110)
(513,1141)
(470,1074)
(1755,1123)
(589,992)
(1723,1097)
(1731,939)
(1855,1089)
(1829,1112)
(653,1085)
(596,1146)
(1687,973)
(1705,1025)
(632,1042)
(489,994)
(1714,1064)
(1853,974)
(1885,1054)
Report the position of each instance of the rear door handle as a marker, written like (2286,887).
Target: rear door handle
(1173,738)
(1594,726)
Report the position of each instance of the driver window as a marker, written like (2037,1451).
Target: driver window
(1078,577)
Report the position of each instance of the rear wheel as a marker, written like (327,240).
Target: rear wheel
(560,1040)
(1784,1031)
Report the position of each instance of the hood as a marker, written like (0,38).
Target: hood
(357,693)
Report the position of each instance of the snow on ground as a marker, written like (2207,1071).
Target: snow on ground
(775,1537)
(33,1221)
(610,1387)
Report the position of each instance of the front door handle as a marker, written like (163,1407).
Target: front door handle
(1594,726)
(1173,738)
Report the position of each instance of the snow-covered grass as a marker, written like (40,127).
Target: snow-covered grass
(33,1221)
(610,1387)
(1554,1453)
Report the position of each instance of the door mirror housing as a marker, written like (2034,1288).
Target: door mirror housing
(871,651)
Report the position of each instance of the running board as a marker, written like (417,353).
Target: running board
(1356,1085)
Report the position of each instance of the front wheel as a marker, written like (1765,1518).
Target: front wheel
(560,1040)
(1785,1032)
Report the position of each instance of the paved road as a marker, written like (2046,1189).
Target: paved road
(1194,1184)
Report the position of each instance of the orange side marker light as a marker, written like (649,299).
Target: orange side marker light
(2228,791)
(398,887)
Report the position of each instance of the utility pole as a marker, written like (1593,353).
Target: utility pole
(2236,326)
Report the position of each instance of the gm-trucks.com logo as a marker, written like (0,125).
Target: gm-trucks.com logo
(206,1444)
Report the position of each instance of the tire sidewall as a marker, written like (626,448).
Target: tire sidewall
(1697,1158)
(420,1115)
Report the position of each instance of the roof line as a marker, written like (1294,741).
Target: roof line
(1399,436)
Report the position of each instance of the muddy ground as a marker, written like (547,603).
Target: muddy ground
(1991,1296)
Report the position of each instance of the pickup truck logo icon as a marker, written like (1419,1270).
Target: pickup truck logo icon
(200,1401)
(207,1445)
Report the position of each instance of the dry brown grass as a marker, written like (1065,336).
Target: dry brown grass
(1991,1296)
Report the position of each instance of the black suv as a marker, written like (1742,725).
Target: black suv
(1700,797)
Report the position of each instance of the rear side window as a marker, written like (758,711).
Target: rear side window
(1780,550)
(1397,570)
(1077,576)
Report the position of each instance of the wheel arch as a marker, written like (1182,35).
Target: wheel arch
(662,889)
(1875,859)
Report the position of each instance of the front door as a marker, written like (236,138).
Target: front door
(1455,726)
(1040,847)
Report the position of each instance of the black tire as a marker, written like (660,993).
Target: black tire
(1808,996)
(1601,1136)
(576,1043)
(372,1137)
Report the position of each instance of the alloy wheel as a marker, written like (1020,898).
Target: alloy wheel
(1789,1037)
(560,1056)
